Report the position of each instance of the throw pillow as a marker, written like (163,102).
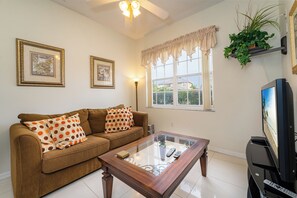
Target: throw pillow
(41,129)
(131,117)
(118,120)
(66,132)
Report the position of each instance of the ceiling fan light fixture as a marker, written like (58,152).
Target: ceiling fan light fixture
(130,8)
(135,5)
(124,6)
(136,13)
(126,13)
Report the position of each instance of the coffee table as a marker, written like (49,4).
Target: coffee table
(148,170)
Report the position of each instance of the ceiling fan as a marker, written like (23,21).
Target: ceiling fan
(130,8)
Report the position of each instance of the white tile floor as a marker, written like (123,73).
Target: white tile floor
(226,178)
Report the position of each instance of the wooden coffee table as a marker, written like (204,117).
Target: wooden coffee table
(148,170)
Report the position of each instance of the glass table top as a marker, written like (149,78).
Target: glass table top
(151,155)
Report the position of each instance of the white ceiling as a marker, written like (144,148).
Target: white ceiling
(111,16)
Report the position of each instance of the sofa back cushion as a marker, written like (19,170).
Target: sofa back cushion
(83,116)
(97,118)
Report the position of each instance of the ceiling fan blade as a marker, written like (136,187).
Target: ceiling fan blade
(95,3)
(159,12)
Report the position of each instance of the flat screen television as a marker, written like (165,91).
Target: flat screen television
(278,126)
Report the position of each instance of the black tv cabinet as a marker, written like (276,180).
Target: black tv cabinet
(260,167)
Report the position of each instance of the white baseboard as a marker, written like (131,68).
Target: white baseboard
(227,152)
(4,175)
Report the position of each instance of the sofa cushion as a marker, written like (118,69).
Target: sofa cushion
(97,118)
(59,159)
(83,116)
(121,138)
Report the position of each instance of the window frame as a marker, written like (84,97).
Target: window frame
(175,90)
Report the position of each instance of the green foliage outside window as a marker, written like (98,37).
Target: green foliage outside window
(169,98)
(182,97)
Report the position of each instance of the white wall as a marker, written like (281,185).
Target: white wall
(286,60)
(237,114)
(49,23)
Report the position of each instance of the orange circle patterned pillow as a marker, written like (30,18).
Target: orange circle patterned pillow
(66,132)
(41,129)
(118,120)
(130,114)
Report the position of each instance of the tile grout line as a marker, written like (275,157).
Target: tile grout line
(210,158)
(238,164)
(178,195)
(213,177)
(90,189)
(194,183)
(225,160)
(244,189)
(3,183)
(5,175)
(125,193)
(127,190)
(99,195)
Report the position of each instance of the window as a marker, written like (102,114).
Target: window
(179,83)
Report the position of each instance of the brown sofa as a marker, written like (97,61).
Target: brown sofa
(35,174)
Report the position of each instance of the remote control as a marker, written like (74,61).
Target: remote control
(279,188)
(170,152)
(177,154)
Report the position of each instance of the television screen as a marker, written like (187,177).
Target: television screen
(269,115)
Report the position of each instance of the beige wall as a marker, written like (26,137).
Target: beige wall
(46,22)
(237,114)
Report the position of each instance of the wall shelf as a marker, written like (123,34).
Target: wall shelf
(260,51)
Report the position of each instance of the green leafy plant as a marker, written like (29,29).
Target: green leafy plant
(251,34)
(241,43)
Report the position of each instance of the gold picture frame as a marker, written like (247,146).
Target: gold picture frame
(293,35)
(39,64)
(102,73)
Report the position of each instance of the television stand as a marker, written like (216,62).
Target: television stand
(261,167)
(259,140)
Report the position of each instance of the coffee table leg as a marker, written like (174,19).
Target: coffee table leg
(107,180)
(203,163)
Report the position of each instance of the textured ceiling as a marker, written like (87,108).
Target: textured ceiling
(110,15)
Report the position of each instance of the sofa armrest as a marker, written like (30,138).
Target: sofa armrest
(26,157)
(141,119)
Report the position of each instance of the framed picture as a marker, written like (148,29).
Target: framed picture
(102,73)
(293,35)
(39,64)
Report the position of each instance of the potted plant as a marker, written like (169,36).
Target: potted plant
(251,35)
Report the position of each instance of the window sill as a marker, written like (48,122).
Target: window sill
(181,108)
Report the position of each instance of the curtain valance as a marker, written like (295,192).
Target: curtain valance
(204,38)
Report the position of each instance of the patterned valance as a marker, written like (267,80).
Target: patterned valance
(204,38)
